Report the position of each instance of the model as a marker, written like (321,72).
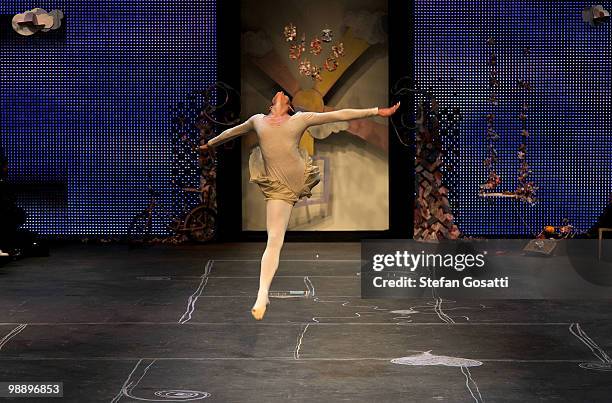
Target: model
(289,173)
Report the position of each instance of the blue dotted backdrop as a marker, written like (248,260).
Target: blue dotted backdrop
(570,68)
(93,112)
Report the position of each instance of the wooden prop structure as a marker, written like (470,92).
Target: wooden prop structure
(433,217)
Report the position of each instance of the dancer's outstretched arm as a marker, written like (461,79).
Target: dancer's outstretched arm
(319,118)
(232,132)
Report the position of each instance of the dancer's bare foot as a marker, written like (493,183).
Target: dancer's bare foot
(259,308)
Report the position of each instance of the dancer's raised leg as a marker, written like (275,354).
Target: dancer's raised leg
(278,213)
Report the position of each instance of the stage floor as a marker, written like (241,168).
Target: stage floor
(173,324)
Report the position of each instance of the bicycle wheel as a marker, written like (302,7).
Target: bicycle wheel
(139,230)
(201,224)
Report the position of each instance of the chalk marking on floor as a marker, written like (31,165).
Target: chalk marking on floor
(298,345)
(120,394)
(470,383)
(438,305)
(605,363)
(193,298)
(435,308)
(263,359)
(443,317)
(12,334)
(405,315)
(297,323)
(425,358)
(166,395)
(374,309)
(310,290)
(577,331)
(469,380)
(251,296)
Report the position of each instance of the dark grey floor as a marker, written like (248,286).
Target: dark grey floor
(119,325)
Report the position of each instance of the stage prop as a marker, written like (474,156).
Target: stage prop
(193,216)
(36,20)
(433,216)
(525,189)
(493,179)
(595,15)
(546,241)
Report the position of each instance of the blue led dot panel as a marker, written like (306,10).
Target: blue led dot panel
(93,112)
(568,66)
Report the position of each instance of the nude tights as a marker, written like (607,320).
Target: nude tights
(278,213)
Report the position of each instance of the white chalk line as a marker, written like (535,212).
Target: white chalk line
(298,345)
(120,394)
(283,358)
(310,289)
(435,308)
(193,298)
(12,334)
(311,293)
(250,296)
(443,316)
(406,320)
(438,305)
(374,309)
(173,395)
(469,381)
(249,323)
(599,353)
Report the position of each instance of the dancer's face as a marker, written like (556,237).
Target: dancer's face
(281,102)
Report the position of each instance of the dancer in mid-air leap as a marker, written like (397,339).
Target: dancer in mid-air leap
(289,173)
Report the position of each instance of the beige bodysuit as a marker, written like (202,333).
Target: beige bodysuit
(288,172)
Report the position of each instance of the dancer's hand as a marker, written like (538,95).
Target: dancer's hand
(204,148)
(388,111)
